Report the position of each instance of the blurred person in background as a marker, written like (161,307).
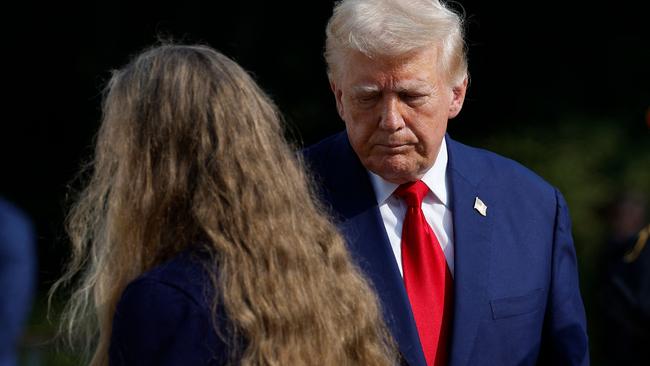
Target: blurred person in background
(197,240)
(624,294)
(17,278)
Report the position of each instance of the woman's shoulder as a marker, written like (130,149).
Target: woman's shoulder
(164,317)
(186,273)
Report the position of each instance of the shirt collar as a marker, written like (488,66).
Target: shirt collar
(435,178)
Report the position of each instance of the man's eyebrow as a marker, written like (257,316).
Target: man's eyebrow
(414,87)
(365,88)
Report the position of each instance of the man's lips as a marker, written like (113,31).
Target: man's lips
(393,148)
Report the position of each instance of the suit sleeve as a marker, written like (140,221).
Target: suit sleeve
(565,322)
(17,277)
(158,324)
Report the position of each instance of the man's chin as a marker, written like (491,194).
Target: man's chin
(396,169)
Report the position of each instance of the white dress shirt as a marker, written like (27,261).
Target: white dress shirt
(435,207)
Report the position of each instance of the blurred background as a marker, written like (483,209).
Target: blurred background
(563,88)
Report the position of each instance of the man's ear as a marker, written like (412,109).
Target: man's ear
(338,96)
(458,98)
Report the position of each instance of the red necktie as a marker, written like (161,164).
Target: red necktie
(427,278)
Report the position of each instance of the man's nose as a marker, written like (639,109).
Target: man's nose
(391,118)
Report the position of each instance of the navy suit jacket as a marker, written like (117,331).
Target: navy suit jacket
(517,300)
(164,318)
(17,277)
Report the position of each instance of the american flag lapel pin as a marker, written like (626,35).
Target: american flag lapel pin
(480,206)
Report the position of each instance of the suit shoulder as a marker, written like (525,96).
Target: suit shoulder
(154,307)
(499,170)
(164,318)
(185,274)
(15,226)
(325,149)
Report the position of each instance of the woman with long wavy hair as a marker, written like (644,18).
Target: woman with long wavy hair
(197,240)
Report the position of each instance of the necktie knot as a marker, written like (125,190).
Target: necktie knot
(412,193)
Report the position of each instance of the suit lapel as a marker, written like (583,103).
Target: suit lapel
(353,197)
(472,247)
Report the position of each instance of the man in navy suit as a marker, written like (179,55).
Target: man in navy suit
(507,287)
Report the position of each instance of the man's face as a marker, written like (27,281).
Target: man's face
(396,111)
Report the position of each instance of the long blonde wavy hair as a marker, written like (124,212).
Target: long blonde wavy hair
(189,151)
